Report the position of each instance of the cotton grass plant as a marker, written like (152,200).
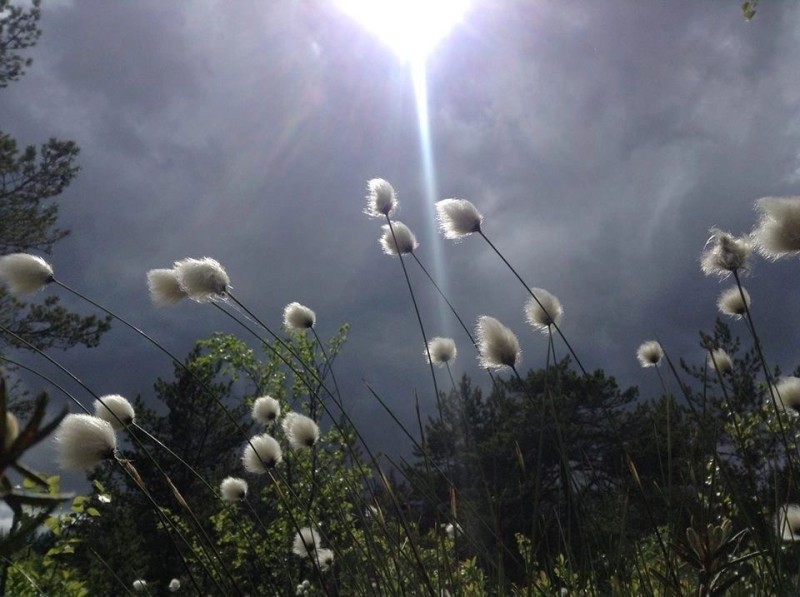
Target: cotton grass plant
(309,508)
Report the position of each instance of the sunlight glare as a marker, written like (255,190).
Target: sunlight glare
(412,28)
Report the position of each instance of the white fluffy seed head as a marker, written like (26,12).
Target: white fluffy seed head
(266,410)
(406,241)
(778,231)
(787,522)
(301,431)
(730,302)
(83,441)
(24,274)
(381,198)
(650,353)
(261,453)
(458,218)
(202,280)
(174,585)
(233,489)
(324,558)
(725,254)
(164,287)
(140,585)
(720,360)
(115,409)
(787,394)
(498,345)
(298,317)
(306,542)
(443,351)
(545,312)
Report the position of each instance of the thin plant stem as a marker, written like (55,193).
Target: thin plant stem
(452,308)
(417,313)
(535,298)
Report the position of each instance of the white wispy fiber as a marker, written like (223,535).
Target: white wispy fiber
(24,274)
(174,585)
(266,410)
(442,350)
(650,353)
(298,317)
(724,254)
(778,231)
(720,360)
(406,241)
(139,585)
(306,541)
(498,345)
(115,409)
(458,218)
(12,430)
(453,529)
(261,453)
(233,489)
(544,313)
(787,522)
(83,441)
(202,280)
(324,558)
(787,393)
(730,302)
(381,198)
(164,287)
(300,430)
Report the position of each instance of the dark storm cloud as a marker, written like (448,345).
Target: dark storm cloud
(601,141)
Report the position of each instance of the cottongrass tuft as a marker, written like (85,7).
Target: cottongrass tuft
(650,353)
(298,317)
(787,522)
(115,409)
(498,345)
(174,585)
(203,280)
(261,453)
(725,254)
(164,287)
(266,410)
(306,541)
(720,360)
(730,302)
(442,350)
(324,558)
(406,241)
(451,530)
(301,431)
(83,441)
(381,198)
(778,231)
(140,585)
(233,489)
(544,313)
(24,273)
(458,218)
(787,391)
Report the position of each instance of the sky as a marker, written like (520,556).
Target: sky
(600,141)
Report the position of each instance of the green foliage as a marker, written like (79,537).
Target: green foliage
(19,30)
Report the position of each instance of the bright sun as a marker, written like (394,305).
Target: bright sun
(412,28)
